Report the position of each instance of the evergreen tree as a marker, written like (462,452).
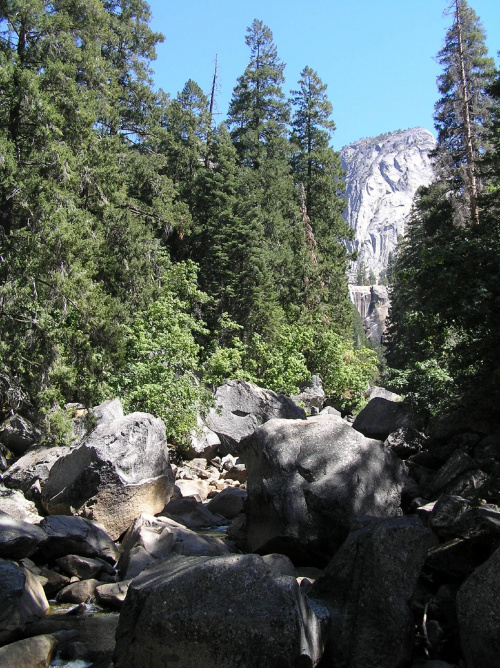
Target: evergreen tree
(258,113)
(229,246)
(79,253)
(186,122)
(462,112)
(441,337)
(258,116)
(361,275)
(317,167)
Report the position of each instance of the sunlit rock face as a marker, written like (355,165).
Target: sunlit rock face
(372,303)
(382,176)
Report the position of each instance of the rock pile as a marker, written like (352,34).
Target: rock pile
(313,543)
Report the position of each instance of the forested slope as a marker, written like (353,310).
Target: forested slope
(142,247)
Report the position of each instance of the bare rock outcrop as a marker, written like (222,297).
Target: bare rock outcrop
(372,303)
(382,175)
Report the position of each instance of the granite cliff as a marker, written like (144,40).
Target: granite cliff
(372,303)
(382,175)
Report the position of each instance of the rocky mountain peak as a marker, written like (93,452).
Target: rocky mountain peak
(382,175)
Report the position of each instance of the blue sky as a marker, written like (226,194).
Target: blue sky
(376,56)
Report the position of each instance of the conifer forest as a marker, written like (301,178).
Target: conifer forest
(148,252)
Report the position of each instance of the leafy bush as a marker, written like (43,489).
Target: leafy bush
(162,357)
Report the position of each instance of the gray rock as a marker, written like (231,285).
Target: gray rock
(241,407)
(382,176)
(34,652)
(381,417)
(280,564)
(307,482)
(191,513)
(330,410)
(237,531)
(454,517)
(113,594)
(196,488)
(33,466)
(86,421)
(55,582)
(312,395)
(96,633)
(18,539)
(445,512)
(119,471)
(478,607)
(150,538)
(435,663)
(405,442)
(228,503)
(76,535)
(238,472)
(108,411)
(203,442)
(82,567)
(457,464)
(381,393)
(16,505)
(78,592)
(173,611)
(18,434)
(368,587)
(456,558)
(5,455)
(23,600)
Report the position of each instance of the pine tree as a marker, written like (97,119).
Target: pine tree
(229,246)
(461,114)
(81,217)
(258,116)
(317,167)
(258,113)
(441,339)
(186,123)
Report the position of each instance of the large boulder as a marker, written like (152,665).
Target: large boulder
(18,539)
(150,538)
(309,480)
(23,600)
(95,636)
(216,612)
(228,503)
(381,417)
(18,434)
(76,535)
(29,473)
(119,471)
(241,407)
(450,476)
(368,587)
(203,442)
(16,505)
(312,395)
(86,421)
(192,513)
(478,607)
(34,652)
